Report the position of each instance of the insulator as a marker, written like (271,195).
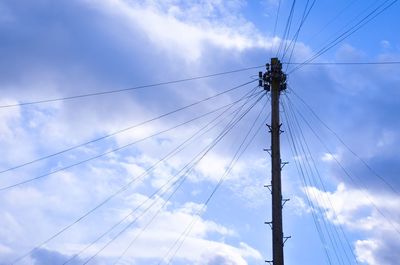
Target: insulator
(260,83)
(260,75)
(265,76)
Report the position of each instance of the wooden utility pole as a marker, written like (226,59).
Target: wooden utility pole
(274,80)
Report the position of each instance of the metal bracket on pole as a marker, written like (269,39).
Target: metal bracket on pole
(285,238)
(280,131)
(268,150)
(269,127)
(269,262)
(268,223)
(269,187)
(283,164)
(284,201)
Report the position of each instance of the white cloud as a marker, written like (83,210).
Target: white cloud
(375,215)
(328,157)
(187,32)
(385,44)
(165,230)
(366,250)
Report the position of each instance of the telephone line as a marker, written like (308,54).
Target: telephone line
(181,239)
(125,129)
(286,31)
(300,170)
(347,173)
(345,145)
(206,150)
(128,89)
(92,158)
(302,139)
(163,186)
(153,217)
(344,63)
(120,190)
(377,11)
(306,13)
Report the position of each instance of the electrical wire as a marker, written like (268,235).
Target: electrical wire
(127,128)
(128,89)
(117,192)
(344,144)
(147,225)
(287,28)
(275,25)
(307,154)
(163,186)
(181,239)
(347,173)
(343,63)
(7,187)
(345,8)
(207,149)
(306,13)
(372,15)
(235,113)
(300,170)
(152,218)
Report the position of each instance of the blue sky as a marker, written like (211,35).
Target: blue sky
(54,49)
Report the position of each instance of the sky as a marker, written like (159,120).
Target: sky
(123,203)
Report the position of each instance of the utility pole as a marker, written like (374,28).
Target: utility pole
(274,80)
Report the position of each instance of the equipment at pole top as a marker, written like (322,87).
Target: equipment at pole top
(274,71)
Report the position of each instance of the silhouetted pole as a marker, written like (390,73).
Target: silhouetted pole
(277,231)
(275,81)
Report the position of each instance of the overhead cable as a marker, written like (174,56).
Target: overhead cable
(123,188)
(125,129)
(127,89)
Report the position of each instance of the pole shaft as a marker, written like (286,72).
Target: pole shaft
(277,232)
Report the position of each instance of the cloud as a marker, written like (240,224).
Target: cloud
(133,43)
(385,44)
(46,257)
(376,215)
(200,23)
(164,231)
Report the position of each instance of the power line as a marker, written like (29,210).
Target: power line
(128,89)
(206,150)
(302,139)
(125,129)
(300,170)
(275,25)
(219,138)
(92,158)
(156,214)
(287,28)
(347,173)
(345,8)
(181,239)
(344,63)
(120,190)
(346,145)
(304,18)
(306,13)
(164,185)
(373,14)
